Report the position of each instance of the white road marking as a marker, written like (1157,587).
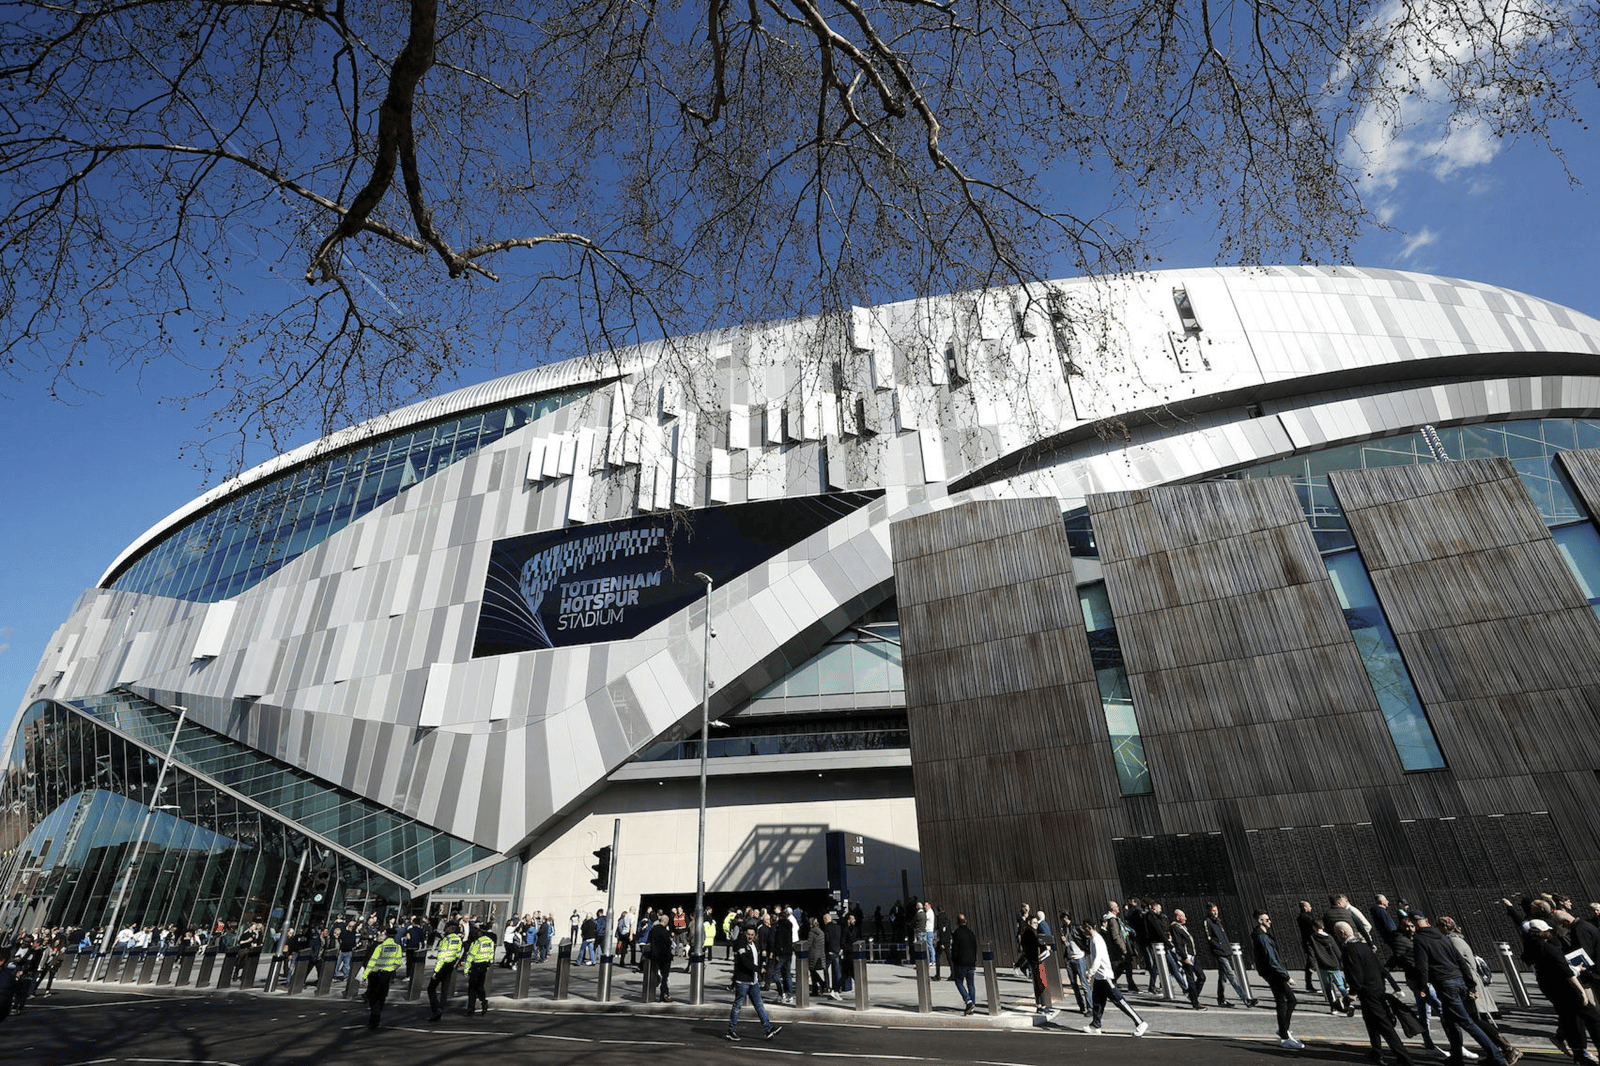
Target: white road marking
(648,1043)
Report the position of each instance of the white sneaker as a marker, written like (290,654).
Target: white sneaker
(1291,1043)
(1141,1029)
(1093,1030)
(1468,1055)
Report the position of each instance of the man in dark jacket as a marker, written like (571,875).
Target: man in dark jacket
(1273,972)
(747,983)
(1439,963)
(1186,956)
(1363,976)
(660,954)
(964,961)
(833,944)
(1222,949)
(783,954)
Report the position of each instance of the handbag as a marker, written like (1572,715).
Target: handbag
(1403,1014)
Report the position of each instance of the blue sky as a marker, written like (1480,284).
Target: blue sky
(81,481)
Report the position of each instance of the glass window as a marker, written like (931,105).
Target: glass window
(1413,736)
(1579,545)
(1116,695)
(230,548)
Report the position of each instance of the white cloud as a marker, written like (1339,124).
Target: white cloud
(1418,242)
(1415,120)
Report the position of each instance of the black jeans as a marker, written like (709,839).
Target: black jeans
(1381,1030)
(1283,999)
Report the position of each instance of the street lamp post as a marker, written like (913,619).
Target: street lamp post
(107,941)
(697,924)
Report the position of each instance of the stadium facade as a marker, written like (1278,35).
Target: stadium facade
(1220,583)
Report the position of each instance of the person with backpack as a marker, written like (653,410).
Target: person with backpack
(1115,936)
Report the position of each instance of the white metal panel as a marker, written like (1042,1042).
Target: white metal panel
(721,477)
(436,697)
(738,426)
(579,501)
(214,630)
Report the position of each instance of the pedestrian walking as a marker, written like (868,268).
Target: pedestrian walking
(747,985)
(1102,982)
(1273,972)
(480,954)
(386,958)
(449,954)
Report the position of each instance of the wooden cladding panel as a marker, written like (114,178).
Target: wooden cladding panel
(1499,640)
(1583,468)
(1010,754)
(1244,677)
(1426,513)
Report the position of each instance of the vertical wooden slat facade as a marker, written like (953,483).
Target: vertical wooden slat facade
(1268,749)
(1009,746)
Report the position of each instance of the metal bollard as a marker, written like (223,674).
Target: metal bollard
(1166,974)
(602,986)
(697,977)
(185,968)
(564,969)
(1052,973)
(651,982)
(252,966)
(858,974)
(208,962)
(416,970)
(991,980)
(130,966)
(1242,974)
(919,955)
(802,977)
(358,962)
(297,976)
(1508,966)
(524,974)
(325,972)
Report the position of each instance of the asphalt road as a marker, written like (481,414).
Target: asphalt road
(79,1028)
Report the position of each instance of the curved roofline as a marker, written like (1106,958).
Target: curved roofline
(598,367)
(524,384)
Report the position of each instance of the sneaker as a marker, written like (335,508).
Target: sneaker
(774,1031)
(1468,1055)
(1254,1003)
(1141,1029)
(970,1008)
(731,1035)
(1093,1030)
(1290,1043)
(1199,1006)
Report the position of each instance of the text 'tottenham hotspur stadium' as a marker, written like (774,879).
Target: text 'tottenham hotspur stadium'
(1219,584)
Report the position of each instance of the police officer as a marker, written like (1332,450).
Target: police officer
(450,947)
(386,958)
(480,953)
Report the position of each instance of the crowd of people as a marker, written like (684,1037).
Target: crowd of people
(1393,964)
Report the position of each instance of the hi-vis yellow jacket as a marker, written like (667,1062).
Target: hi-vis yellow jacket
(386,956)
(482,950)
(449,950)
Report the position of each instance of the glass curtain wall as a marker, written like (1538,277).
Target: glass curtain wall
(247,538)
(78,795)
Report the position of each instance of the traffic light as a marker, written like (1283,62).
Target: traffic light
(602,869)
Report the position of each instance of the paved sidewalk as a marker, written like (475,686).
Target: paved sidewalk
(894,1004)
